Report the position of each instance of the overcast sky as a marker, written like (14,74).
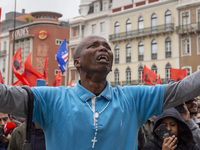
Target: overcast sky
(68,8)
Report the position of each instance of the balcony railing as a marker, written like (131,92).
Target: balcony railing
(3,53)
(135,82)
(188,28)
(142,32)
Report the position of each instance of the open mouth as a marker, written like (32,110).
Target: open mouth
(103,58)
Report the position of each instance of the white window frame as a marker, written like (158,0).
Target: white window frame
(58,41)
(198,45)
(102,27)
(96,7)
(182,49)
(182,17)
(198,68)
(188,67)
(62,73)
(105,5)
(198,9)
(94,29)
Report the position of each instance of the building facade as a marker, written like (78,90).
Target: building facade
(143,33)
(43,36)
(189,34)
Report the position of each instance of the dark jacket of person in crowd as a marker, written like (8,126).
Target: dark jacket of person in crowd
(185,137)
(19,134)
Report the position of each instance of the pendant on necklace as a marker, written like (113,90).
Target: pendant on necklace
(96,115)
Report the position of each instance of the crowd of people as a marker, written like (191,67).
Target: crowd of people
(182,121)
(94,115)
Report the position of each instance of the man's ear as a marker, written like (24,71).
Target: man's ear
(77,63)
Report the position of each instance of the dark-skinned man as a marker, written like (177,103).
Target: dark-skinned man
(93,115)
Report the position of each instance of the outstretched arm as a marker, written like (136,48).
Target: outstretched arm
(13,100)
(179,92)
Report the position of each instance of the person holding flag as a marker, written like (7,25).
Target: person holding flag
(94,114)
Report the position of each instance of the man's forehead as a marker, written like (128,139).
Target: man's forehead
(92,39)
(3,115)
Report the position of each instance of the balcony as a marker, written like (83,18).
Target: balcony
(2,53)
(189,28)
(135,82)
(142,32)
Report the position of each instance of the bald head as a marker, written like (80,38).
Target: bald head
(83,43)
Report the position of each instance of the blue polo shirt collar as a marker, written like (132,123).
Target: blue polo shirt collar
(85,95)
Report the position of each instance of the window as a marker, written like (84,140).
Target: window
(168,19)
(168,47)
(116,78)
(105,5)
(154,22)
(154,68)
(185,43)
(198,15)
(116,54)
(140,25)
(167,71)
(189,69)
(128,76)
(128,27)
(5,46)
(93,28)
(141,51)
(128,53)
(4,65)
(96,8)
(58,42)
(117,29)
(102,27)
(185,18)
(198,44)
(62,73)
(140,70)
(154,49)
(198,68)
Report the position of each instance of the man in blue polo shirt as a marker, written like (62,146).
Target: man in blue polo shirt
(93,115)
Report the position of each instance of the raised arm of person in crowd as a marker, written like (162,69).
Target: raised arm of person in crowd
(179,92)
(13,100)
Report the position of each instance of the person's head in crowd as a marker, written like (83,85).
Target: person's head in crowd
(4,118)
(192,106)
(198,112)
(182,135)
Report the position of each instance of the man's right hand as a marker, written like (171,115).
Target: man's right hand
(186,114)
(5,139)
(168,143)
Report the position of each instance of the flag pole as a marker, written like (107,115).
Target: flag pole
(14,38)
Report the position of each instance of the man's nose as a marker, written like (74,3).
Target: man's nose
(2,122)
(102,48)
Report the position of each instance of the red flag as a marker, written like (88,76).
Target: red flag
(148,76)
(30,74)
(1,79)
(70,83)
(158,81)
(17,64)
(45,68)
(57,80)
(178,74)
(17,83)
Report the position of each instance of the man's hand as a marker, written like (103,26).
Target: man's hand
(168,143)
(5,139)
(186,114)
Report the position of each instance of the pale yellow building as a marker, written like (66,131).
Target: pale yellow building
(143,33)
